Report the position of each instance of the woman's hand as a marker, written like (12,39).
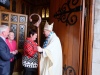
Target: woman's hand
(14,52)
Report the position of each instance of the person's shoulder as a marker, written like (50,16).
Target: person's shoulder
(1,38)
(2,43)
(14,40)
(55,35)
(27,39)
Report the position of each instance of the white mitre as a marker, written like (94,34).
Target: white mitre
(48,27)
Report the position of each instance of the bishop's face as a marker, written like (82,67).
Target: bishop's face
(46,33)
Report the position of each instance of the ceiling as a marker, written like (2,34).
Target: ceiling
(38,2)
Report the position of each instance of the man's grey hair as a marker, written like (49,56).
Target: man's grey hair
(3,28)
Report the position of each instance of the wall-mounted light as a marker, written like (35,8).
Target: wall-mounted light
(43,13)
(47,12)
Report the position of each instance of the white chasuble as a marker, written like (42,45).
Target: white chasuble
(51,58)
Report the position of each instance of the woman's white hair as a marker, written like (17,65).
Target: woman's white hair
(3,28)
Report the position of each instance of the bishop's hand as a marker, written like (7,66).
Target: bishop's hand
(39,49)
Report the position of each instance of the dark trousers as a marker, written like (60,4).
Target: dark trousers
(11,67)
(30,71)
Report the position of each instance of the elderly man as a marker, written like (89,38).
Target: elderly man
(51,53)
(5,54)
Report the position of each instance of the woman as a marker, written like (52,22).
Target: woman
(13,48)
(30,56)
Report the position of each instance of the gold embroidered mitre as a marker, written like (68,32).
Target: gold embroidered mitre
(48,27)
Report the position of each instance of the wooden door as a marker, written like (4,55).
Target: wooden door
(73,23)
(68,18)
(18,24)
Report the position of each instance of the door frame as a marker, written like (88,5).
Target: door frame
(88,38)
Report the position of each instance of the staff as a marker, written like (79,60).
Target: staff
(37,25)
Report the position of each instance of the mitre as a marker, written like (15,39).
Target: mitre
(48,27)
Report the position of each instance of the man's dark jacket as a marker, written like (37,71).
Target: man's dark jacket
(5,57)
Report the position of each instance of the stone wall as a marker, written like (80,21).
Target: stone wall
(96,42)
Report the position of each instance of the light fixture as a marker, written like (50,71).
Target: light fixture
(47,13)
(43,13)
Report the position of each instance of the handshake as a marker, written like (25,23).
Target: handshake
(39,49)
(14,52)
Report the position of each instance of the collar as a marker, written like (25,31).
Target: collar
(2,38)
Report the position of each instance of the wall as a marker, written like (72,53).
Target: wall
(96,43)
